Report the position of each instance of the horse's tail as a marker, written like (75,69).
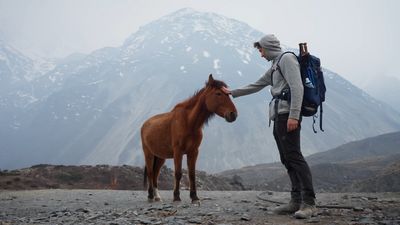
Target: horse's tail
(145,172)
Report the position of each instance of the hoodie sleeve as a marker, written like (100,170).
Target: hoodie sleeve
(291,71)
(261,83)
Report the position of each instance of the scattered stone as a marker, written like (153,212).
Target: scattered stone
(364,198)
(325,212)
(84,210)
(245,217)
(358,209)
(95,217)
(195,220)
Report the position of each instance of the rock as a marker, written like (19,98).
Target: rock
(95,217)
(313,220)
(84,210)
(196,220)
(358,209)
(245,217)
(325,212)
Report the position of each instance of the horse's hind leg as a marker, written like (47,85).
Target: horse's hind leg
(149,158)
(158,163)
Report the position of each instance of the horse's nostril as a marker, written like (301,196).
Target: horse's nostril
(234,114)
(230,117)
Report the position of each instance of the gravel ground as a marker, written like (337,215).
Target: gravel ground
(216,207)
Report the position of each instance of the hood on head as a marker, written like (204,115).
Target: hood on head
(272,46)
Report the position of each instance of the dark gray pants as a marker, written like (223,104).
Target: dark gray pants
(291,156)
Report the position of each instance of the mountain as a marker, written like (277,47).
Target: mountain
(89,109)
(382,145)
(369,165)
(384,88)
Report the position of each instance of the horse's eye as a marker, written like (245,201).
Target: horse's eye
(219,93)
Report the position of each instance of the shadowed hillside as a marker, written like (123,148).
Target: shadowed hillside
(369,165)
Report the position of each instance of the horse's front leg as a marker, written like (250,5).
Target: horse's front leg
(191,161)
(178,174)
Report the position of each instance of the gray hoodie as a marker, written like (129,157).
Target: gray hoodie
(290,77)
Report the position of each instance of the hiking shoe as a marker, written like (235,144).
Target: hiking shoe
(289,208)
(306,211)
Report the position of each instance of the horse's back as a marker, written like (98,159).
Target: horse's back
(157,121)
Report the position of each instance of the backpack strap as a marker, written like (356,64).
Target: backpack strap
(277,67)
(320,117)
(320,120)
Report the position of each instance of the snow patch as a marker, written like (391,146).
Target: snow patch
(195,59)
(95,82)
(206,54)
(182,68)
(216,64)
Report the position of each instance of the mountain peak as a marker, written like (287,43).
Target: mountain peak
(184,11)
(188,23)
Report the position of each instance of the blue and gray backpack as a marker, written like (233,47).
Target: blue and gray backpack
(313,82)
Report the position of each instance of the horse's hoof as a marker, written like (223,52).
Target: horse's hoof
(196,202)
(157,199)
(177,199)
(150,200)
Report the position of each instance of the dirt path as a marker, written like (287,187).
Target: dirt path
(217,207)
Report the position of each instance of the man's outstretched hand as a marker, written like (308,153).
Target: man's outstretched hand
(226,90)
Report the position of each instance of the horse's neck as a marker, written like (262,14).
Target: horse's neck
(198,114)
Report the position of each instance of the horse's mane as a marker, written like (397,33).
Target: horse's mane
(194,98)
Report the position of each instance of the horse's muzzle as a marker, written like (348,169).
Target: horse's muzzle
(231,116)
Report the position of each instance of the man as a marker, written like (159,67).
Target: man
(285,79)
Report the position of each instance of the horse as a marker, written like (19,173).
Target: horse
(179,132)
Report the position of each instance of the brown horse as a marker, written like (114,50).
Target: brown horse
(179,132)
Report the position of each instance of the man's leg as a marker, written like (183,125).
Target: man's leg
(296,198)
(280,135)
(298,169)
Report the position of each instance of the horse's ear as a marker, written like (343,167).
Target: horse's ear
(210,79)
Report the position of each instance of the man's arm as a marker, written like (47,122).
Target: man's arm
(264,81)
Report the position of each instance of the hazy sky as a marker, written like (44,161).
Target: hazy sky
(358,39)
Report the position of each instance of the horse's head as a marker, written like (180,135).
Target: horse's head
(218,102)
